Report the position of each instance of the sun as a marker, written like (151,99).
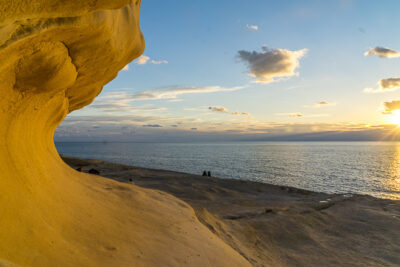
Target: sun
(395,118)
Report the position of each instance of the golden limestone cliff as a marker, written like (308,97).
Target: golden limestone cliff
(55,58)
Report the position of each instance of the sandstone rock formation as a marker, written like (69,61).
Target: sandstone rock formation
(55,57)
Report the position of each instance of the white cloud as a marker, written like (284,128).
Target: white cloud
(385,85)
(369,90)
(142,60)
(382,52)
(158,62)
(218,109)
(125,68)
(252,27)
(108,119)
(173,93)
(174,100)
(270,64)
(117,103)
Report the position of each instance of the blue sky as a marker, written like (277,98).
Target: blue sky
(194,46)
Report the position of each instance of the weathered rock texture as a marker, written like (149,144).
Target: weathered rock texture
(55,57)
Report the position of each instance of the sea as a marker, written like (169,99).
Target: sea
(371,168)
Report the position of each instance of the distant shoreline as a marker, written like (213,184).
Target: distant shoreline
(235,141)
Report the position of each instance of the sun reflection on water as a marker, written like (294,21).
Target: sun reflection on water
(393,184)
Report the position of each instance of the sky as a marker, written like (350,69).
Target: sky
(253,70)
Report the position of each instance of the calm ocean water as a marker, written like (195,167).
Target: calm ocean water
(351,167)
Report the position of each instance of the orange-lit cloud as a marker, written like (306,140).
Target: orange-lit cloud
(388,84)
(321,104)
(390,106)
(385,85)
(218,109)
(240,113)
(291,115)
(131,128)
(296,115)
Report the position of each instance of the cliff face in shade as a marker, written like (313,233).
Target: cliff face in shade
(55,58)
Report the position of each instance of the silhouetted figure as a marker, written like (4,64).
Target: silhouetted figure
(209,174)
(204,173)
(94,171)
(79,169)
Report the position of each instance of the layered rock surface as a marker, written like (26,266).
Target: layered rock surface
(55,58)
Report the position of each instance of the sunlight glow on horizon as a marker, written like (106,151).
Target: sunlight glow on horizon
(395,118)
